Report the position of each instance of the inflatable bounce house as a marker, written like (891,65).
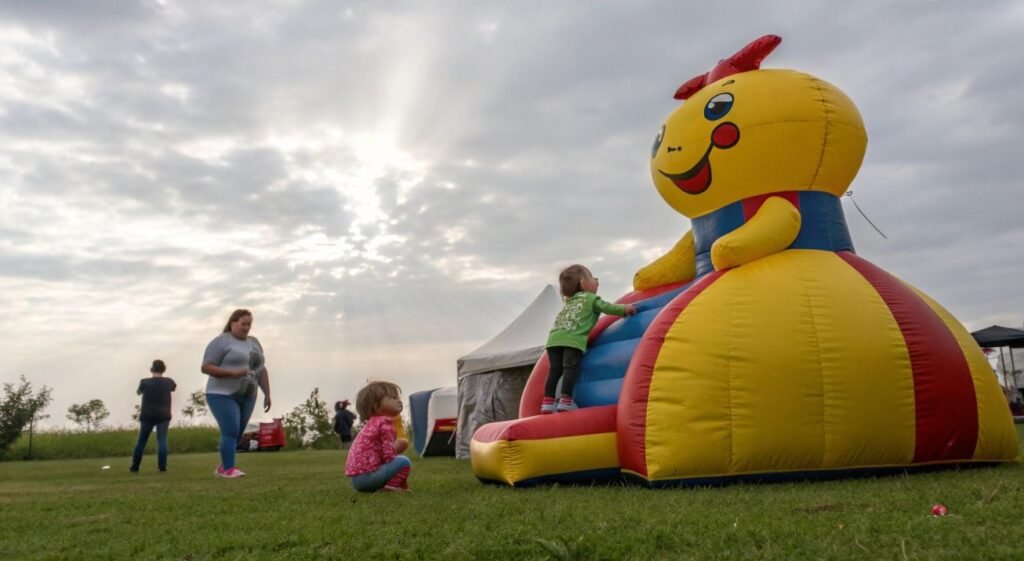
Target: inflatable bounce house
(764,348)
(433,414)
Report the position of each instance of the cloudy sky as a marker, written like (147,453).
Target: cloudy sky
(387,184)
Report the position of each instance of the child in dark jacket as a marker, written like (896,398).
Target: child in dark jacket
(155,412)
(343,421)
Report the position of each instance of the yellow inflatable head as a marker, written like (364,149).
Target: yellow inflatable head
(744,132)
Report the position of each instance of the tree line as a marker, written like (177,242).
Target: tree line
(308,425)
(22,407)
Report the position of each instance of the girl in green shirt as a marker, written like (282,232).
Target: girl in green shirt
(568,338)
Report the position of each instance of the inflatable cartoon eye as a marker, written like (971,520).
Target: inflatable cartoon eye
(718,107)
(657,142)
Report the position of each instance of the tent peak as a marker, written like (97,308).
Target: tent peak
(521,342)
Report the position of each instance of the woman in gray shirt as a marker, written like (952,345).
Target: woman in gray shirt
(234,362)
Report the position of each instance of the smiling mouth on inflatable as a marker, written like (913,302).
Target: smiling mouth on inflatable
(695,180)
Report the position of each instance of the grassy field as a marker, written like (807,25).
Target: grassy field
(299,506)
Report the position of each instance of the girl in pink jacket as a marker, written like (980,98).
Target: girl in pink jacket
(373,460)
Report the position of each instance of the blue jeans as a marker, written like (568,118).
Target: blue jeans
(232,414)
(370,482)
(161,443)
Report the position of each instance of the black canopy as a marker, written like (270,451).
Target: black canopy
(997,336)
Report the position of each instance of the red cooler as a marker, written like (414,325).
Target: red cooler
(272,435)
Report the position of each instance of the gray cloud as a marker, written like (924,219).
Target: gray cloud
(392,183)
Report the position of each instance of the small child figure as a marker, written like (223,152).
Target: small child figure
(373,462)
(568,338)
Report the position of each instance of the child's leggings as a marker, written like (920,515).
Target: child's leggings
(565,364)
(394,472)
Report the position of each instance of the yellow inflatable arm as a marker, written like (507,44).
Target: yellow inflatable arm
(678,265)
(400,427)
(771,230)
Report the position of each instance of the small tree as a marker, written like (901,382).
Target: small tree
(89,415)
(137,413)
(309,423)
(320,421)
(196,406)
(38,416)
(19,407)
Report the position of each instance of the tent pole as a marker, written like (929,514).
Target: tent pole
(1002,360)
(1013,372)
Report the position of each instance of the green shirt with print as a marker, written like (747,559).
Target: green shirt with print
(578,317)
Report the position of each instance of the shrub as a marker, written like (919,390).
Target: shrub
(19,407)
(309,426)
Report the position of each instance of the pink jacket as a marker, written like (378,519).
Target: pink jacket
(373,447)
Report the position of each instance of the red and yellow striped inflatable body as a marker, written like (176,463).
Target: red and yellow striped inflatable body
(806,361)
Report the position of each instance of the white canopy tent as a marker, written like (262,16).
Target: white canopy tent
(1009,363)
(492,378)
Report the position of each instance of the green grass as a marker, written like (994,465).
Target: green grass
(62,444)
(299,506)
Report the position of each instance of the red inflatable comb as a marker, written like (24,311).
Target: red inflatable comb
(747,58)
